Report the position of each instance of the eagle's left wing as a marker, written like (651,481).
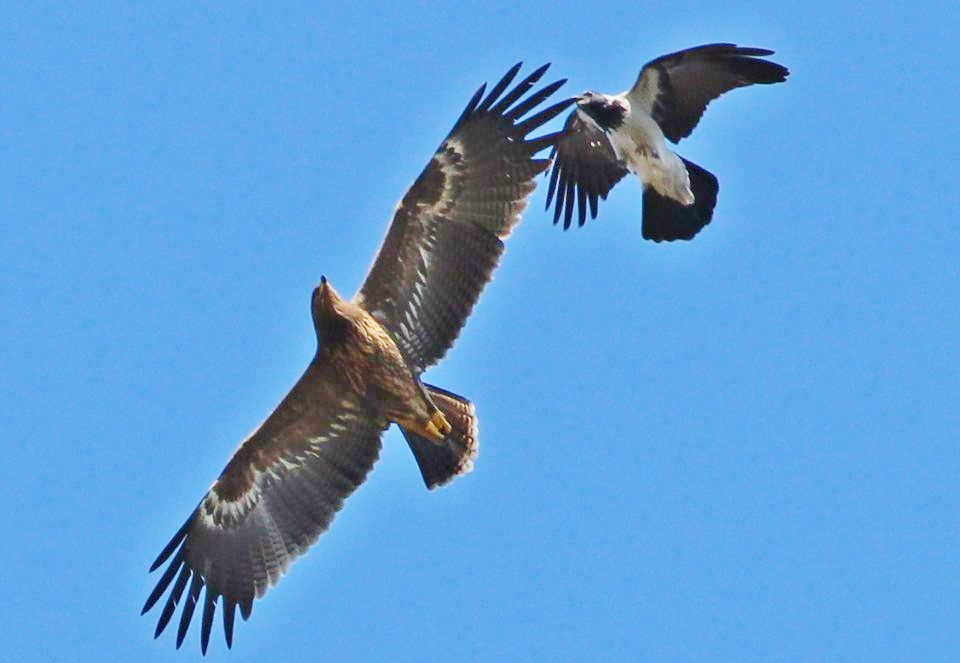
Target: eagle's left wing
(446,236)
(279,492)
(676,88)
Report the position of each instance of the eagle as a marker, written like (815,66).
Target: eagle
(287,480)
(608,135)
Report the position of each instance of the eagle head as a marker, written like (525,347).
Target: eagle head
(604,111)
(331,313)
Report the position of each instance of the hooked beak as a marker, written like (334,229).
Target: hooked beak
(321,290)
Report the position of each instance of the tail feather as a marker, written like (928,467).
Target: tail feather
(441,462)
(666,219)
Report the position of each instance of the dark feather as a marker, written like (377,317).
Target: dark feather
(472,104)
(676,88)
(521,89)
(666,219)
(498,89)
(209,605)
(195,585)
(568,209)
(229,611)
(585,167)
(173,599)
(164,581)
(246,608)
(441,462)
(532,102)
(170,547)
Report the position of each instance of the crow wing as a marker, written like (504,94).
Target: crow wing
(676,88)
(585,169)
(447,233)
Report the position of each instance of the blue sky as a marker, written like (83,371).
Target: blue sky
(743,447)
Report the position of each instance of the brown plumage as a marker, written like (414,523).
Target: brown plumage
(286,481)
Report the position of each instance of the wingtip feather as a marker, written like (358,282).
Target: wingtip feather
(568,204)
(163,583)
(532,102)
(558,203)
(172,600)
(471,106)
(209,607)
(171,546)
(246,608)
(521,88)
(229,612)
(498,89)
(196,584)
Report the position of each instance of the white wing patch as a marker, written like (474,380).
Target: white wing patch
(419,288)
(217,513)
(220,513)
(449,158)
(645,91)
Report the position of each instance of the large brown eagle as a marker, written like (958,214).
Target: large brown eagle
(286,481)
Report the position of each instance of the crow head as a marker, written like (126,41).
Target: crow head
(605,111)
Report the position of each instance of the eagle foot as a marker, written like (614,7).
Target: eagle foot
(438,427)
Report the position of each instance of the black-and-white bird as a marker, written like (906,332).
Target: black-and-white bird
(609,135)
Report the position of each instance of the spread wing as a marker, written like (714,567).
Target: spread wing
(675,89)
(585,169)
(447,233)
(277,494)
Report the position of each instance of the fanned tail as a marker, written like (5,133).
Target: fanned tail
(666,219)
(441,462)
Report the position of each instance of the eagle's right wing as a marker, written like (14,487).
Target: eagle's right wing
(447,233)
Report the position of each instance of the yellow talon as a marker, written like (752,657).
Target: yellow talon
(438,426)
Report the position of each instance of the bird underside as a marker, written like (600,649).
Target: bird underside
(667,175)
(678,196)
(656,166)
(286,482)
